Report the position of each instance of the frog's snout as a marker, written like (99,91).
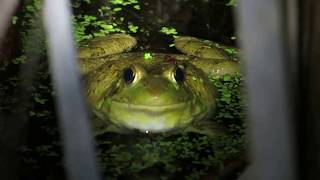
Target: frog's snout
(155,86)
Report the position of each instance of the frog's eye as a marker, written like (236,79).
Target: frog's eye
(128,75)
(179,75)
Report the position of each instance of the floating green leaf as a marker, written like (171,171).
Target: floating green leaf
(169,31)
(232,3)
(133,28)
(14,20)
(147,56)
(137,7)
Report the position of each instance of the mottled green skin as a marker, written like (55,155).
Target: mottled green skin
(154,102)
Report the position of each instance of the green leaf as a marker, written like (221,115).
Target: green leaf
(137,7)
(147,56)
(117,9)
(232,3)
(40,100)
(168,31)
(133,28)
(14,20)
(227,77)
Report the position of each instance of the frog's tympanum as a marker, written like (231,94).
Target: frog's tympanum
(153,92)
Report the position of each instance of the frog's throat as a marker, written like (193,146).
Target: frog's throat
(155,119)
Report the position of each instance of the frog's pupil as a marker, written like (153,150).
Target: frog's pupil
(128,75)
(179,75)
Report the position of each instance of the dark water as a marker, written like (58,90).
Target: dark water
(207,19)
(132,156)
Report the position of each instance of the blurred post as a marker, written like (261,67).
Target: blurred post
(309,111)
(75,128)
(263,39)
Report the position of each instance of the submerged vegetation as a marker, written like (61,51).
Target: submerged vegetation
(188,155)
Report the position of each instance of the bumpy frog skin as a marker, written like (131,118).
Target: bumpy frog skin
(152,94)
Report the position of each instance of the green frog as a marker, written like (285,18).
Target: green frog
(153,92)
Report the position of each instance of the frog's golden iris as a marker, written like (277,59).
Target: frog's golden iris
(166,93)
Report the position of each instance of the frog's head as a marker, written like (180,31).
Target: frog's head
(154,97)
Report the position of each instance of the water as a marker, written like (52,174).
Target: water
(134,155)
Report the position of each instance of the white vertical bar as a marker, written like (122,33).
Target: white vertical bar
(262,39)
(73,116)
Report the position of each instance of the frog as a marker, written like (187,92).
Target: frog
(151,92)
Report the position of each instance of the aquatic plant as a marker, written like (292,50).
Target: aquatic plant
(232,3)
(110,19)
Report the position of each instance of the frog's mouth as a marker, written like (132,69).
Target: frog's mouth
(152,108)
(151,118)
